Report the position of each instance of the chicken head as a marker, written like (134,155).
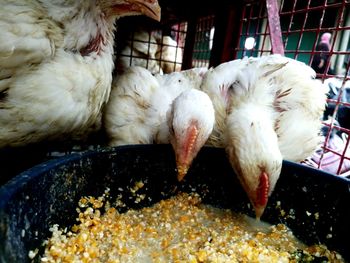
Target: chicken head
(191,122)
(252,149)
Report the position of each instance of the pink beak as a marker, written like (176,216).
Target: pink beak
(186,152)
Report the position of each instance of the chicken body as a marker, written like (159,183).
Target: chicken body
(151,50)
(169,54)
(56,65)
(267,109)
(169,108)
(140,50)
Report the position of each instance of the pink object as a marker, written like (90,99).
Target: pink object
(326,39)
(331,161)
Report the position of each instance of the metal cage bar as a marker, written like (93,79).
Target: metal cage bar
(159,48)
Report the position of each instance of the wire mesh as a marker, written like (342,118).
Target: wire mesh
(203,41)
(304,27)
(160,50)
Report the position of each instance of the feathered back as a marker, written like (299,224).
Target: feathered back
(286,87)
(129,105)
(139,102)
(300,100)
(139,50)
(216,83)
(48,89)
(169,54)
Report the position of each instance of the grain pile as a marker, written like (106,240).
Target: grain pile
(180,229)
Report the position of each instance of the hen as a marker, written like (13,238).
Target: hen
(266,109)
(56,64)
(147,109)
(151,50)
(139,50)
(169,54)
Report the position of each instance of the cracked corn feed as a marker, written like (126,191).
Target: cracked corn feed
(180,229)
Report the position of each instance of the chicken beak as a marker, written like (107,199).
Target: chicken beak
(259,197)
(259,210)
(186,152)
(148,8)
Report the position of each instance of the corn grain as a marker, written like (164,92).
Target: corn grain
(180,229)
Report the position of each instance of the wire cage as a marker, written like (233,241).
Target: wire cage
(141,42)
(203,41)
(207,34)
(160,48)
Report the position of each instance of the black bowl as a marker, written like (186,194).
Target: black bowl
(316,204)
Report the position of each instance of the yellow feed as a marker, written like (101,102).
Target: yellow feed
(180,229)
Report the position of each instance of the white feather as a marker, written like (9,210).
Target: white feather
(270,109)
(140,50)
(52,83)
(169,54)
(140,103)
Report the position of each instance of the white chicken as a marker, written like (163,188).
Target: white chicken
(169,54)
(56,64)
(266,109)
(146,109)
(151,50)
(140,50)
